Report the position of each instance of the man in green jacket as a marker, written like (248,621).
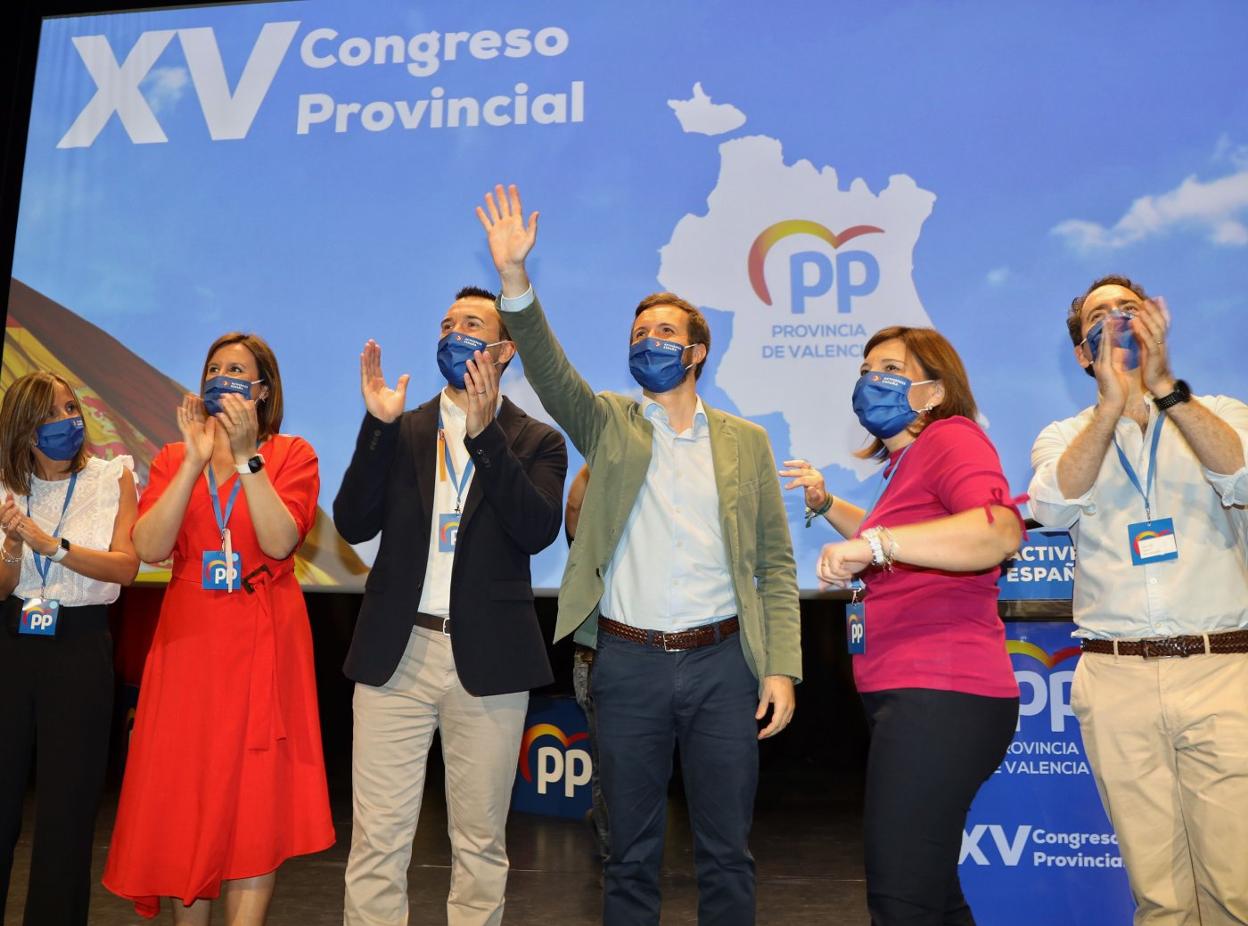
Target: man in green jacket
(681,574)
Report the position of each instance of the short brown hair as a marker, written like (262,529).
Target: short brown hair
(699,330)
(1074,318)
(28,403)
(939,361)
(269,411)
(480,292)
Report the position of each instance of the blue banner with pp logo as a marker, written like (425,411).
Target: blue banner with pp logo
(1043,568)
(1038,849)
(553,777)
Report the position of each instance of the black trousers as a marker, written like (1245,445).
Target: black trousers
(648,701)
(930,752)
(56,697)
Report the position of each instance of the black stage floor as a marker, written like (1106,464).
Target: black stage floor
(807,843)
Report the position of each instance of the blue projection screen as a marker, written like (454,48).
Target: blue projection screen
(808,172)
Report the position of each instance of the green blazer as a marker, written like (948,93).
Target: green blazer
(615,438)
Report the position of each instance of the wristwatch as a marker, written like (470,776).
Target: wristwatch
(61,552)
(253,465)
(1181,394)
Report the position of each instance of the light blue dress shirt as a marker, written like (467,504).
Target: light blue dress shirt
(670,567)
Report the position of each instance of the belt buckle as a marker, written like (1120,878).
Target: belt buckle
(446,626)
(1162,649)
(669,649)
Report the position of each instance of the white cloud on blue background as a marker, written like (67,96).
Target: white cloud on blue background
(163,87)
(1214,208)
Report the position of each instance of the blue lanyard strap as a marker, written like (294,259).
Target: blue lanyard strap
(857,586)
(1147,489)
(43,564)
(462,480)
(222,519)
(889,472)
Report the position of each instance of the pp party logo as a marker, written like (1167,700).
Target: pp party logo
(812,274)
(448,531)
(1043,694)
(554,764)
(38,618)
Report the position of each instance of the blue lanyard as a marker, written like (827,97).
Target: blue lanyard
(886,478)
(222,519)
(462,480)
(857,585)
(1145,490)
(43,564)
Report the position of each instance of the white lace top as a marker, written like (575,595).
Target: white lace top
(88,523)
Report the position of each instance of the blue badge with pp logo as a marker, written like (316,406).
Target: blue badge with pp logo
(856,627)
(448,531)
(218,576)
(39,616)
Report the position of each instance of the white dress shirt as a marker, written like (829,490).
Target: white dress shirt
(435,596)
(1204,590)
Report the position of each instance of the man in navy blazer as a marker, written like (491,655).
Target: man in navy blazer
(464,489)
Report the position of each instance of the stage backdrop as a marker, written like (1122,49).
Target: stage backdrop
(808,172)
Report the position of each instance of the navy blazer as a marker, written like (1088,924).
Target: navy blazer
(513,510)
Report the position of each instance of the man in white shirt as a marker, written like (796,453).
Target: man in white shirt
(1152,483)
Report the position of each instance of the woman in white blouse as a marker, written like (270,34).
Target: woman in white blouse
(66,518)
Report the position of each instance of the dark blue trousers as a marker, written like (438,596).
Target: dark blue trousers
(648,702)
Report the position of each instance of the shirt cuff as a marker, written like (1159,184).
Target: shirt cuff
(1233,489)
(516,303)
(1050,507)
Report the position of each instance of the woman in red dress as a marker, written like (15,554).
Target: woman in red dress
(225,779)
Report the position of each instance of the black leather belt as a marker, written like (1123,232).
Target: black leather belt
(430,622)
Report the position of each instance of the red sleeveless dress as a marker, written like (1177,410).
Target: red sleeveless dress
(225,778)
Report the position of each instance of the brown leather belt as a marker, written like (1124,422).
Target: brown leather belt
(675,641)
(1233,641)
(429,622)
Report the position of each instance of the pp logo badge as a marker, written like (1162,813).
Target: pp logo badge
(217,574)
(448,531)
(39,617)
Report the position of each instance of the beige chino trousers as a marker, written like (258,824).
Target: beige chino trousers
(1168,744)
(394,726)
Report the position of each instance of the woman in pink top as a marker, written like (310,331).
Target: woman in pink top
(930,661)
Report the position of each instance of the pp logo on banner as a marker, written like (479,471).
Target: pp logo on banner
(812,273)
(555,765)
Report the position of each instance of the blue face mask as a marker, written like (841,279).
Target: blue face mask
(60,440)
(1124,338)
(454,351)
(656,364)
(882,403)
(219,386)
